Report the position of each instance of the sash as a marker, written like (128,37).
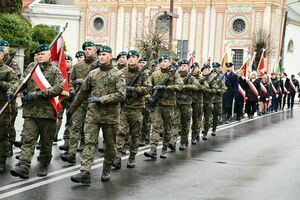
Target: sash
(292,85)
(252,87)
(273,88)
(242,92)
(263,89)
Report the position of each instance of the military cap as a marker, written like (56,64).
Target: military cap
(196,64)
(164,57)
(144,58)
(229,64)
(156,62)
(79,53)
(1,50)
(184,61)
(104,49)
(87,44)
(215,64)
(133,53)
(214,70)
(4,43)
(42,47)
(205,66)
(122,53)
(68,57)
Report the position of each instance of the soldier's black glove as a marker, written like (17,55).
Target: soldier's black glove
(29,97)
(9,96)
(129,89)
(131,94)
(72,96)
(94,99)
(159,87)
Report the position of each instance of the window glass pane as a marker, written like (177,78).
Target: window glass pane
(238,58)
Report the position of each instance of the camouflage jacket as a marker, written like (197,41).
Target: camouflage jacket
(8,78)
(80,72)
(41,107)
(207,96)
(197,96)
(108,83)
(119,66)
(13,65)
(184,97)
(173,85)
(219,90)
(142,87)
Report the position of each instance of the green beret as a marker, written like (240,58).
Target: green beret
(229,64)
(184,61)
(4,43)
(42,47)
(68,57)
(144,58)
(133,53)
(164,57)
(196,64)
(79,53)
(156,62)
(205,66)
(122,53)
(87,44)
(104,49)
(214,70)
(1,50)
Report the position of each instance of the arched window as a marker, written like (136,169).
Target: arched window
(290,48)
(162,23)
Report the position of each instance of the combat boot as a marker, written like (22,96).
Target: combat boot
(164,153)
(69,157)
(43,170)
(182,147)
(131,163)
(18,144)
(194,141)
(213,133)
(151,154)
(204,136)
(82,177)
(105,175)
(64,147)
(20,171)
(117,164)
(172,147)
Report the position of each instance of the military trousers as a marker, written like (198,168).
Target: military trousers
(5,120)
(163,114)
(146,126)
(197,115)
(91,133)
(32,129)
(216,110)
(12,130)
(129,127)
(183,120)
(76,131)
(68,124)
(207,111)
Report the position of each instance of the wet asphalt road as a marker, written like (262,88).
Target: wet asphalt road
(254,159)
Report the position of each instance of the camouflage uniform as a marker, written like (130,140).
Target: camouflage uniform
(184,100)
(7,79)
(131,113)
(164,110)
(39,115)
(108,83)
(79,72)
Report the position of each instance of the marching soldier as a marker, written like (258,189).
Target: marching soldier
(131,110)
(80,56)
(104,88)
(164,111)
(122,60)
(39,115)
(143,61)
(184,101)
(79,73)
(8,77)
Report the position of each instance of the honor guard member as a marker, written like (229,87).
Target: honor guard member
(184,101)
(197,105)
(14,109)
(80,56)
(65,104)
(104,88)
(294,86)
(285,87)
(164,111)
(217,92)
(39,115)
(8,78)
(275,92)
(241,95)
(252,94)
(79,73)
(122,60)
(131,110)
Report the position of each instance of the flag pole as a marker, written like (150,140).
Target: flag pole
(31,71)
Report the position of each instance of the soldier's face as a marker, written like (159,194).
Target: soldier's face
(213,75)
(43,56)
(5,49)
(1,56)
(157,67)
(104,57)
(184,67)
(122,60)
(90,52)
(132,60)
(80,58)
(68,64)
(197,70)
(142,63)
(165,64)
(205,71)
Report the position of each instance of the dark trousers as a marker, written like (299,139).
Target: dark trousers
(239,105)
(284,100)
(251,107)
(274,103)
(290,100)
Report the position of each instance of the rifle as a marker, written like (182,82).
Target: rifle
(135,79)
(31,72)
(11,58)
(160,93)
(185,80)
(205,78)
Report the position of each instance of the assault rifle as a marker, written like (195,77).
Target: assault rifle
(185,80)
(160,93)
(134,80)
(11,58)
(205,78)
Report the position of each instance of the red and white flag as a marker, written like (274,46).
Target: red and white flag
(242,92)
(252,87)
(261,65)
(293,86)
(263,89)
(41,81)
